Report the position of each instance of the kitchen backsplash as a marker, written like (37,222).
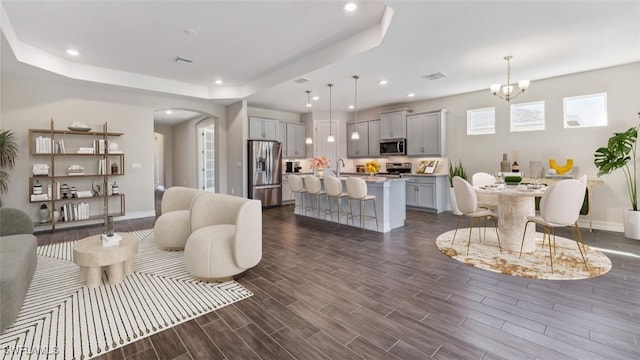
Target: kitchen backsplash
(350,164)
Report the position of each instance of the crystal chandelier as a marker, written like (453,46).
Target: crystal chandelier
(354,134)
(508,90)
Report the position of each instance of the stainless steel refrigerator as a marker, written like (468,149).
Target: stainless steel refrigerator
(265,172)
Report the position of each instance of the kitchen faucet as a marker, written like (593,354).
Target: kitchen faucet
(338,167)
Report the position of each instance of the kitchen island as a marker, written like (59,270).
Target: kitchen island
(390,202)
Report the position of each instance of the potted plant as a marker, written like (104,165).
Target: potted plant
(8,155)
(620,153)
(455,170)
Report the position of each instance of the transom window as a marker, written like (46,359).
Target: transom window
(585,111)
(481,121)
(527,116)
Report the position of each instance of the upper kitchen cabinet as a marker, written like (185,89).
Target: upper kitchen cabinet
(374,138)
(296,135)
(426,134)
(263,129)
(393,125)
(359,147)
(282,137)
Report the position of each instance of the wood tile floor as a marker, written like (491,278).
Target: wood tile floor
(324,291)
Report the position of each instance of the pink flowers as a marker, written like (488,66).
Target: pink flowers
(319,162)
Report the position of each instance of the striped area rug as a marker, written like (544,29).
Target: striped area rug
(63,319)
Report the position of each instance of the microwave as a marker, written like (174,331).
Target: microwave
(393,147)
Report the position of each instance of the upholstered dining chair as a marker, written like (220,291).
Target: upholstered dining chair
(333,187)
(314,189)
(467,201)
(297,187)
(357,189)
(559,207)
(487,201)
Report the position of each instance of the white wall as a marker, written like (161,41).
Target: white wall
(167,153)
(273,114)
(484,153)
(30,100)
(238,133)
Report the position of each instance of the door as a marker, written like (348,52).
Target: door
(374,138)
(206,155)
(415,133)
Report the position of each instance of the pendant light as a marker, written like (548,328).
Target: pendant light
(330,138)
(308,140)
(354,134)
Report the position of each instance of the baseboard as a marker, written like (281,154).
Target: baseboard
(77,224)
(601,225)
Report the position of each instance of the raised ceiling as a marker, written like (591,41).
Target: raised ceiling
(258,48)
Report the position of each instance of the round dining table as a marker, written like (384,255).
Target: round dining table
(515,204)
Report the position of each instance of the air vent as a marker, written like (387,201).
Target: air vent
(300,81)
(435,76)
(181,60)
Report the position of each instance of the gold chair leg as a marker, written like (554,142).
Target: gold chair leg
(470,231)
(351,214)
(495,226)
(550,255)
(523,234)
(375,213)
(576,231)
(455,232)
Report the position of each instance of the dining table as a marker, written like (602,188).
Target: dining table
(514,204)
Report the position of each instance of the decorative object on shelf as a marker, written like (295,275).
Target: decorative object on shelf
(515,167)
(372,167)
(75,170)
(95,188)
(620,153)
(114,168)
(427,167)
(354,134)
(56,216)
(44,214)
(73,192)
(561,170)
(64,190)
(40,169)
(535,169)
(37,188)
(115,189)
(455,170)
(508,89)
(78,126)
(113,147)
(330,138)
(505,166)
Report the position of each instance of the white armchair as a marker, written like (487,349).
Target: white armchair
(173,227)
(226,237)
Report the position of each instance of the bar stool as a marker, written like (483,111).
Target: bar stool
(297,187)
(357,190)
(314,187)
(333,187)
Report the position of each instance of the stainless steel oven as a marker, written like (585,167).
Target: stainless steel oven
(393,147)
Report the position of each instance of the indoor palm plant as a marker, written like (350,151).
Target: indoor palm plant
(8,155)
(620,153)
(455,170)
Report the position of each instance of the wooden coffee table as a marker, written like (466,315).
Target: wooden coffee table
(92,257)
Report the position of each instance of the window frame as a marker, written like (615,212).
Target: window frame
(601,96)
(524,128)
(490,131)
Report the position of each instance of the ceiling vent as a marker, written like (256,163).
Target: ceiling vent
(300,81)
(181,60)
(435,76)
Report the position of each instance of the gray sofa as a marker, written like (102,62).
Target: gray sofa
(18,261)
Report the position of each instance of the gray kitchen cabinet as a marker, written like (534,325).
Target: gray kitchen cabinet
(426,134)
(263,128)
(282,137)
(374,138)
(393,125)
(427,192)
(296,135)
(287,194)
(360,147)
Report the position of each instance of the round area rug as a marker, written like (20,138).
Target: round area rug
(567,262)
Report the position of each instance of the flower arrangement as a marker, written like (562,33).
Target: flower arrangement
(319,162)
(372,166)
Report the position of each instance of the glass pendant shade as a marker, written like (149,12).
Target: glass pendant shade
(308,141)
(355,136)
(331,138)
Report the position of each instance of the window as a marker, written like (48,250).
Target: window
(481,121)
(585,111)
(527,116)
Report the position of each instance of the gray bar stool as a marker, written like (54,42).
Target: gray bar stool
(314,188)
(297,187)
(333,187)
(357,190)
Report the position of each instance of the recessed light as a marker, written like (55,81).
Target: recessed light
(189,31)
(219,82)
(351,107)
(73,52)
(411,95)
(316,98)
(383,82)
(350,6)
(168,112)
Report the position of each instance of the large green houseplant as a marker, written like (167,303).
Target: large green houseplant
(455,170)
(8,155)
(620,153)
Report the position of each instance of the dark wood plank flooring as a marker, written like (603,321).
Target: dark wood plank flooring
(324,291)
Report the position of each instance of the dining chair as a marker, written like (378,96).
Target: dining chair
(467,201)
(314,189)
(559,207)
(333,187)
(297,187)
(487,201)
(357,190)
